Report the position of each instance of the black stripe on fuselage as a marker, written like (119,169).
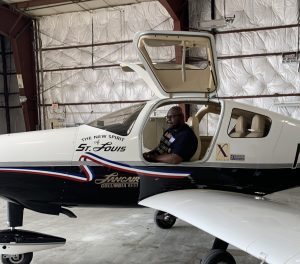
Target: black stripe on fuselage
(257,181)
(113,187)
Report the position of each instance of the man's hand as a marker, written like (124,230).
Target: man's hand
(167,158)
(149,156)
(171,158)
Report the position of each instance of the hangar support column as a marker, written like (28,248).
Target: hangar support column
(179,11)
(5,86)
(19,29)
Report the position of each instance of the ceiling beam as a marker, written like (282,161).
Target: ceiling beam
(37,3)
(179,11)
(19,29)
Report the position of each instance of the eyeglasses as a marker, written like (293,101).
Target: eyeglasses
(172,116)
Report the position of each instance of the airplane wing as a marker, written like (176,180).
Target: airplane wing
(265,229)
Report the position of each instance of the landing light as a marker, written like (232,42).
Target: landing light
(259,198)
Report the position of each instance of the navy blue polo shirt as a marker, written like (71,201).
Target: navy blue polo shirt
(181,141)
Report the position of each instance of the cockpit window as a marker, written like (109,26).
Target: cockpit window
(119,122)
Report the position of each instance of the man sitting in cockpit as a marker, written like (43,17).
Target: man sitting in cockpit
(178,143)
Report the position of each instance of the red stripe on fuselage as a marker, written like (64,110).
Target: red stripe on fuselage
(131,170)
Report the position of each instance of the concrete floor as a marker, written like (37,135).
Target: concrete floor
(115,236)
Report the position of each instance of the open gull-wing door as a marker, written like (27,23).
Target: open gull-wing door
(140,70)
(179,63)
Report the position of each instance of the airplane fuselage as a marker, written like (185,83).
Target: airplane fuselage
(88,166)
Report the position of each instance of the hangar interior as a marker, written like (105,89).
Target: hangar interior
(78,48)
(60,67)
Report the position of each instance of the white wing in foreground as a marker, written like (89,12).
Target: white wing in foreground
(267,230)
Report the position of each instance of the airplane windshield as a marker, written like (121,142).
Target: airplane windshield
(119,122)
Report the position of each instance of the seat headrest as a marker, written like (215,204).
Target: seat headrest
(258,124)
(193,123)
(240,124)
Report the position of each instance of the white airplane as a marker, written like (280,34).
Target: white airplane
(244,154)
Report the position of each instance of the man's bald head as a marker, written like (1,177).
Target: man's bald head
(175,117)
(176,109)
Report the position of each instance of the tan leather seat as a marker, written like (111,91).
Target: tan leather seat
(240,128)
(257,127)
(193,123)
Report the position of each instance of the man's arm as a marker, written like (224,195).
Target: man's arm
(167,158)
(149,155)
